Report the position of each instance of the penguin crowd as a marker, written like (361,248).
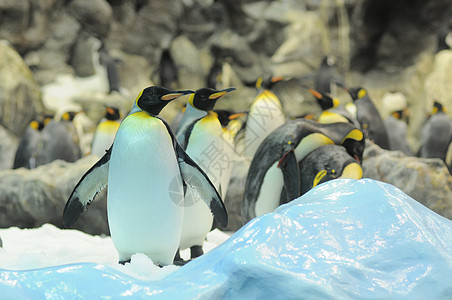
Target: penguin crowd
(166,185)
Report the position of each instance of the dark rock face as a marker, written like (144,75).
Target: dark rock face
(426,180)
(30,198)
(20,98)
(394,33)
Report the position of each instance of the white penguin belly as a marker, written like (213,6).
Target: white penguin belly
(265,116)
(205,147)
(145,195)
(270,192)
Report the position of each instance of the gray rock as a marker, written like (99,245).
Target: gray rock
(54,54)
(187,59)
(8,145)
(26,24)
(20,97)
(95,16)
(143,27)
(31,198)
(82,57)
(426,180)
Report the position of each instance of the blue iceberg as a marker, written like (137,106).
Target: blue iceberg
(345,239)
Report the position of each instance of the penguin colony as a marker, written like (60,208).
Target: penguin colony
(166,184)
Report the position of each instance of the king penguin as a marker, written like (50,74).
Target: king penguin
(147,172)
(327,163)
(369,117)
(436,135)
(332,112)
(204,143)
(106,131)
(275,166)
(60,140)
(29,144)
(265,115)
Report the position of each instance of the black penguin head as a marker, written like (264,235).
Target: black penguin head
(354,143)
(267,82)
(324,100)
(41,121)
(357,92)
(206,98)
(153,99)
(437,107)
(69,115)
(37,125)
(112,113)
(225,116)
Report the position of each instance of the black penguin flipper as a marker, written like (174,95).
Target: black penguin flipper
(198,180)
(291,174)
(91,183)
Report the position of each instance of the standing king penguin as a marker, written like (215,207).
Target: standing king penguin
(147,173)
(332,112)
(201,138)
(265,115)
(30,144)
(369,117)
(106,131)
(60,140)
(436,136)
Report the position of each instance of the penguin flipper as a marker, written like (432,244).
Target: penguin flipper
(196,178)
(291,174)
(91,183)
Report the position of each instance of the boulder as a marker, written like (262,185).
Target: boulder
(8,145)
(53,55)
(95,16)
(188,61)
(31,198)
(26,24)
(20,97)
(424,179)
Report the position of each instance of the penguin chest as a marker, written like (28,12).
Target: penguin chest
(265,116)
(206,148)
(270,191)
(145,194)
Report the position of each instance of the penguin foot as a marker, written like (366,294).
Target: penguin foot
(181,262)
(196,251)
(123,262)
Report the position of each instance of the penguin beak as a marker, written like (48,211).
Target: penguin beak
(237,115)
(110,110)
(315,93)
(176,94)
(277,78)
(353,171)
(221,93)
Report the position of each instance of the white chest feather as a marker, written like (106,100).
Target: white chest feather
(144,190)
(265,116)
(206,148)
(270,193)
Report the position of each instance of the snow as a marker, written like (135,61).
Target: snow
(345,239)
